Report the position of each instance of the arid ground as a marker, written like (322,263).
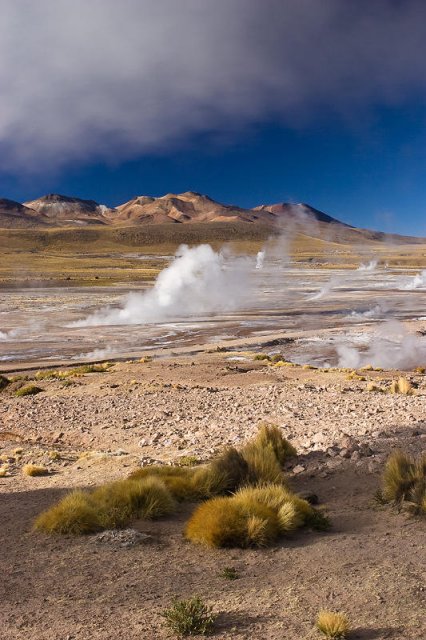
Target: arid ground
(371,564)
(192,397)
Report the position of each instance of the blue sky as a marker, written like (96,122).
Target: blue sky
(317,102)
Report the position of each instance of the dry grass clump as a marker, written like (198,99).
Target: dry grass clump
(260,460)
(90,368)
(34,470)
(189,617)
(75,514)
(270,434)
(28,390)
(108,507)
(355,376)
(262,356)
(3,472)
(373,387)
(332,625)
(178,480)
(3,382)
(254,516)
(404,482)
(227,522)
(120,501)
(188,461)
(402,385)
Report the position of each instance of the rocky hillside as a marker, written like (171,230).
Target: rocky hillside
(14,215)
(185,208)
(64,210)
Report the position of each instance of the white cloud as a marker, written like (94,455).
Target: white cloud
(87,79)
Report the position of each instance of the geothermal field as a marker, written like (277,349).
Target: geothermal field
(159,375)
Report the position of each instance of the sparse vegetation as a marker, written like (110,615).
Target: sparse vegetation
(29,390)
(34,470)
(254,516)
(332,625)
(188,461)
(3,472)
(228,522)
(402,385)
(229,573)
(271,435)
(3,382)
(189,617)
(404,482)
(74,514)
(107,507)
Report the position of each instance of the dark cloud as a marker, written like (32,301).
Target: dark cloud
(87,79)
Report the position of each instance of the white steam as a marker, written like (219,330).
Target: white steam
(370,266)
(260,259)
(418,282)
(391,347)
(199,281)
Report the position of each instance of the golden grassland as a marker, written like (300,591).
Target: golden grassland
(101,256)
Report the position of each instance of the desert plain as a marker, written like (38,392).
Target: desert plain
(177,392)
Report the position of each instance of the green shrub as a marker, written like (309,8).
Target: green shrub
(29,390)
(189,617)
(3,382)
(229,573)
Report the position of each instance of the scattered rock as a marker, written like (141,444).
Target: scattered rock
(121,537)
(298,469)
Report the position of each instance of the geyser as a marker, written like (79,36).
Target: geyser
(199,281)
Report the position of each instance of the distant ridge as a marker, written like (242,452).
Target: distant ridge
(65,209)
(16,215)
(190,207)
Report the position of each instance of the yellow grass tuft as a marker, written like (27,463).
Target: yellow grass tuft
(34,470)
(332,625)
(402,385)
(226,522)
(120,501)
(270,434)
(292,512)
(75,514)
(3,472)
(404,481)
(109,506)
(29,390)
(372,386)
(263,463)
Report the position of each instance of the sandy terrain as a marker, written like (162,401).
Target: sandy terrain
(371,564)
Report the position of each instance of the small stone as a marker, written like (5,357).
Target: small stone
(355,456)
(344,453)
(298,469)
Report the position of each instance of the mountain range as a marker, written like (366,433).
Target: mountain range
(56,210)
(189,207)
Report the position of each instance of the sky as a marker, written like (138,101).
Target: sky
(248,101)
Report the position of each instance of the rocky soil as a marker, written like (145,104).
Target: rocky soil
(95,427)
